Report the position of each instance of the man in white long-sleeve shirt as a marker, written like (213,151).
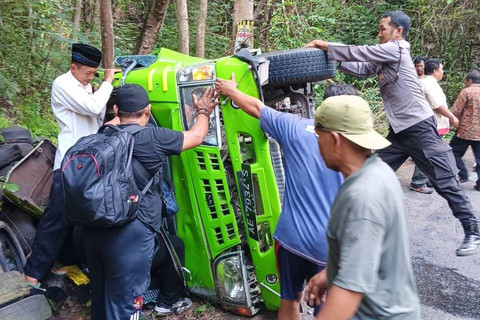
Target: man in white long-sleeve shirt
(79,112)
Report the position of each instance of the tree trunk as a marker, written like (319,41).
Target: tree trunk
(87,16)
(90,9)
(152,26)
(202,17)
(1,20)
(106,24)
(264,16)
(183,33)
(242,10)
(30,24)
(76,19)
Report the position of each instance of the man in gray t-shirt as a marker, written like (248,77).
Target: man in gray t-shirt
(369,273)
(413,128)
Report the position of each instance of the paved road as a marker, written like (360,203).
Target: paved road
(449,286)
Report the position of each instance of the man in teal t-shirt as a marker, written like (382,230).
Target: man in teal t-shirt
(369,273)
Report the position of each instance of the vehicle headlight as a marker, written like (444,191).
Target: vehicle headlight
(197,73)
(230,277)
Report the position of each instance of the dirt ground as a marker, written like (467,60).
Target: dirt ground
(77,307)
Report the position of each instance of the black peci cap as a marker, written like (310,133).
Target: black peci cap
(86,54)
(132,98)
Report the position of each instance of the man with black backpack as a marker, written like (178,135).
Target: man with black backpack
(119,250)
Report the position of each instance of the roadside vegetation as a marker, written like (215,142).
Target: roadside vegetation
(37,34)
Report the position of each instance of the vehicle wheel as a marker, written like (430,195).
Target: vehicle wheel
(301,101)
(11,253)
(21,224)
(301,65)
(31,308)
(13,287)
(9,153)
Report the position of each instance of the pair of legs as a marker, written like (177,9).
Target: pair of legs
(435,159)
(50,236)
(294,271)
(164,275)
(459,147)
(119,260)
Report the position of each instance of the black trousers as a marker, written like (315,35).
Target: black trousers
(51,235)
(459,147)
(164,275)
(434,158)
(119,260)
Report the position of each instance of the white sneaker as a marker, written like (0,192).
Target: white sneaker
(177,308)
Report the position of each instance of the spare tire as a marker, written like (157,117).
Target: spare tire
(303,65)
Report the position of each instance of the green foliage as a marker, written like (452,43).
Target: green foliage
(4,121)
(9,186)
(37,34)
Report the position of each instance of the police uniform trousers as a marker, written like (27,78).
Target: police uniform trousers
(434,157)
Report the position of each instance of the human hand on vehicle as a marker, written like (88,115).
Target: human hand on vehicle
(320,44)
(207,102)
(226,87)
(316,289)
(108,75)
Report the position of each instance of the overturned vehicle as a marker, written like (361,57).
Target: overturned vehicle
(230,188)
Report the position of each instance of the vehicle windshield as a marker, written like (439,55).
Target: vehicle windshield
(189,114)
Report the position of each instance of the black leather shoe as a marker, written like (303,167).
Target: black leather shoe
(471,242)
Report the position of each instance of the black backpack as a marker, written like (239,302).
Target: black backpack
(98,181)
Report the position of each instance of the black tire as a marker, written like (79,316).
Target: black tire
(11,253)
(13,287)
(31,308)
(9,153)
(303,65)
(21,224)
